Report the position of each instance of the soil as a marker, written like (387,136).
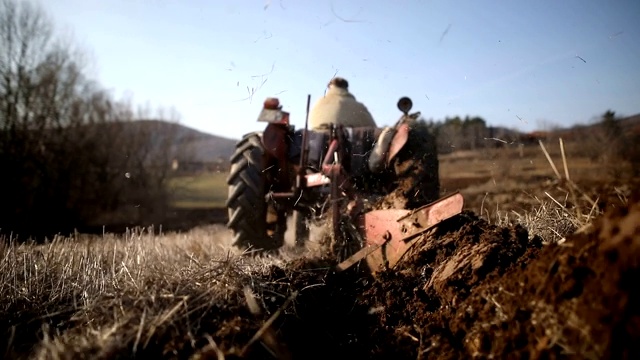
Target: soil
(478,291)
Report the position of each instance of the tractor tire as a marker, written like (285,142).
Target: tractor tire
(246,202)
(416,169)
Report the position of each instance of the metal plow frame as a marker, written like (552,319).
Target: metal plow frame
(390,233)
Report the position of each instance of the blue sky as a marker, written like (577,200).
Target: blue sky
(515,63)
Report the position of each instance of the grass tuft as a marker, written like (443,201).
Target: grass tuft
(92,296)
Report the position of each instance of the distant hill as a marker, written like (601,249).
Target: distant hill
(629,124)
(196,145)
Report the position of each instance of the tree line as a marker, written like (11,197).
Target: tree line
(468,133)
(70,154)
(610,140)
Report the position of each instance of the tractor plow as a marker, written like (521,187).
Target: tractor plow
(390,233)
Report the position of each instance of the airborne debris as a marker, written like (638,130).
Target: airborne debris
(444,33)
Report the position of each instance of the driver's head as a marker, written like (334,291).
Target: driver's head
(339,83)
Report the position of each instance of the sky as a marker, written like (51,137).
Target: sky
(525,65)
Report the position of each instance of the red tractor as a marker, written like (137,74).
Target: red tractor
(334,174)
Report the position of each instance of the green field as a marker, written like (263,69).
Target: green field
(206,190)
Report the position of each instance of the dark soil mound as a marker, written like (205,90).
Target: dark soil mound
(477,290)
(579,299)
(417,301)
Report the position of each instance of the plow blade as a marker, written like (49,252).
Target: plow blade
(389,234)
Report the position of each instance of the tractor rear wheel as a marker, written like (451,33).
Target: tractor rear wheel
(254,223)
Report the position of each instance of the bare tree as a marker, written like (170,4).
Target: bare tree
(69,152)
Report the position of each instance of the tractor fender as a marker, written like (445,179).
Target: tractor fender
(380,149)
(274,139)
(389,144)
(399,140)
(276,148)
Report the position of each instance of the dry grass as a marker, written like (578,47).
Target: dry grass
(108,295)
(553,219)
(516,178)
(542,188)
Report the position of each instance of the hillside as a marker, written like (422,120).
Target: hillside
(189,143)
(631,122)
(195,145)
(628,124)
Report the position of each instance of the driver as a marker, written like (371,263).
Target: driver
(339,107)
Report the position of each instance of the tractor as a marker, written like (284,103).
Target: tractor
(377,187)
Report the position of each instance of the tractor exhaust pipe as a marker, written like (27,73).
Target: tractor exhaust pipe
(300,178)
